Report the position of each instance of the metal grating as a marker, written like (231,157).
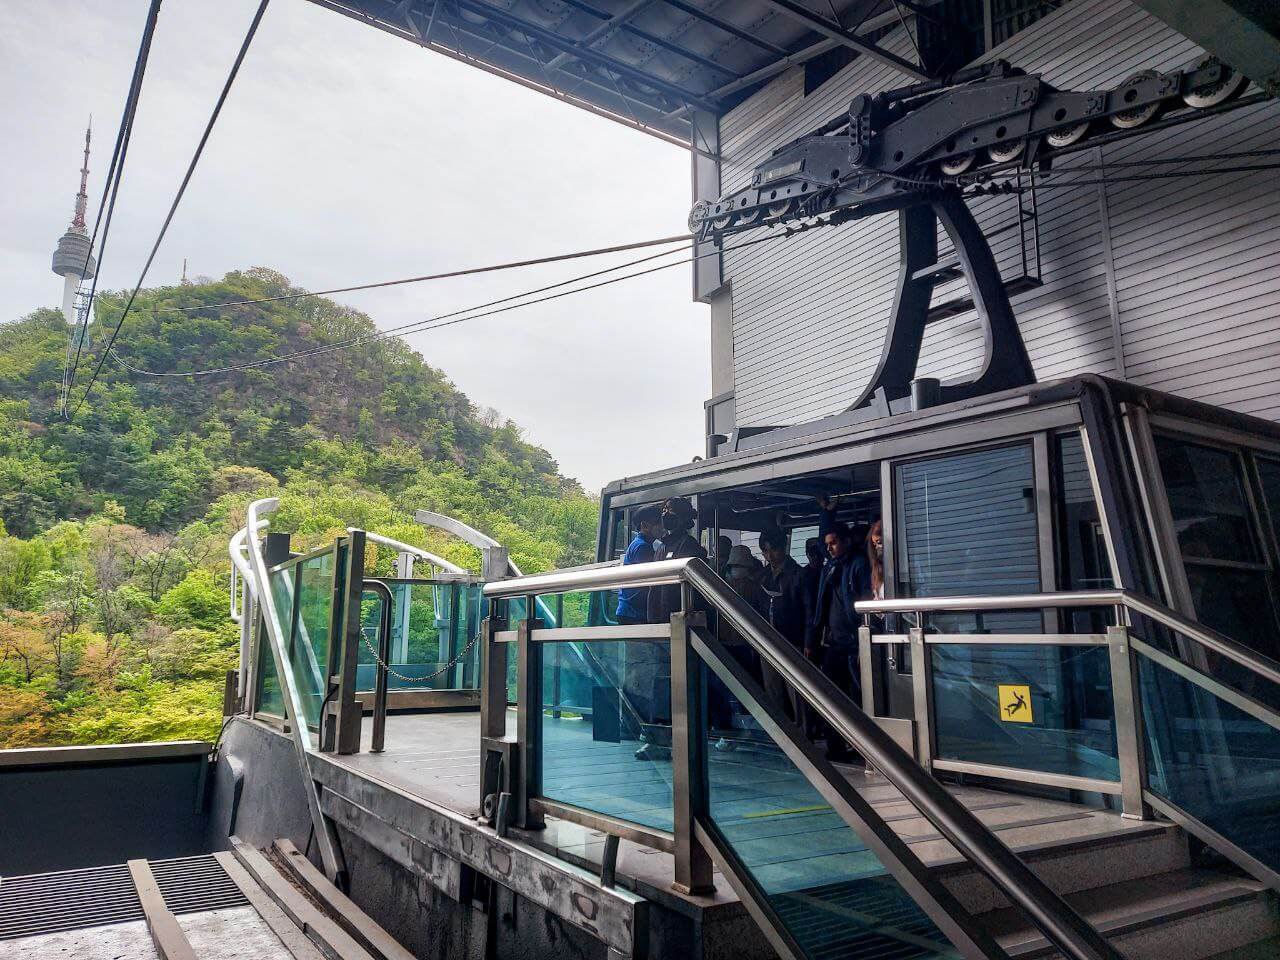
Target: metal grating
(194,884)
(96,896)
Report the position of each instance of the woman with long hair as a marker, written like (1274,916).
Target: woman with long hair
(875,559)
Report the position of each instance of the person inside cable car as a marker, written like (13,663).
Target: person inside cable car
(633,602)
(723,546)
(875,559)
(677,541)
(846,579)
(782,581)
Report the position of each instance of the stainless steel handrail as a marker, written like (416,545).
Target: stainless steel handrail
(1133,602)
(1067,930)
(592,578)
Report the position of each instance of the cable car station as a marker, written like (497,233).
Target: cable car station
(994,297)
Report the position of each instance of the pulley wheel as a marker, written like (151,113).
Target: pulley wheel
(1066,136)
(1131,119)
(1230,85)
(749,217)
(721,223)
(698,214)
(489,806)
(954,166)
(1006,151)
(778,210)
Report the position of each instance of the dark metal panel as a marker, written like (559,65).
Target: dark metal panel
(826,28)
(1245,35)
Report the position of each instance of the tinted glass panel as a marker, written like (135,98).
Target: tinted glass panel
(1083,546)
(607,745)
(968,527)
(1207,500)
(1033,707)
(1212,759)
(1235,602)
(1269,472)
(268,698)
(830,891)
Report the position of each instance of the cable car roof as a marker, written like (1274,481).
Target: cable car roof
(645,63)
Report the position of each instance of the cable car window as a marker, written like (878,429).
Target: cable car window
(1217,537)
(1083,547)
(1207,499)
(799,537)
(1269,474)
(968,527)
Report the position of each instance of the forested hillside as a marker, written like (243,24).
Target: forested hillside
(113,562)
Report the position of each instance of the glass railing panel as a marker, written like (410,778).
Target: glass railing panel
(610,752)
(580,608)
(1212,759)
(829,891)
(308,649)
(432,629)
(268,699)
(1036,707)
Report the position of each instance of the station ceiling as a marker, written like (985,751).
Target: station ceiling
(654,64)
(646,63)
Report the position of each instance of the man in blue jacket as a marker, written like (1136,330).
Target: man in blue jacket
(633,603)
(845,580)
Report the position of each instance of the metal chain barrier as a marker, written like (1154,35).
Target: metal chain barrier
(400,676)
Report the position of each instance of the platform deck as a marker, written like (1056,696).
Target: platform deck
(785,829)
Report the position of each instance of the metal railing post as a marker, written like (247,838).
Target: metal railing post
(347,712)
(382,680)
(529,718)
(866,670)
(1126,697)
(493,678)
(922,695)
(693,867)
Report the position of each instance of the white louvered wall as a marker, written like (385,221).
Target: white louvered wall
(1196,261)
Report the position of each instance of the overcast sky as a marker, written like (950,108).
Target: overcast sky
(343,156)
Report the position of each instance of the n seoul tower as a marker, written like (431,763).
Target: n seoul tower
(71,258)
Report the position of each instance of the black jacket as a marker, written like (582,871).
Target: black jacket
(844,582)
(664,601)
(788,611)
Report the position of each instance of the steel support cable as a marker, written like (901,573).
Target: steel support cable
(511,265)
(1041,184)
(448,319)
(115,172)
(182,188)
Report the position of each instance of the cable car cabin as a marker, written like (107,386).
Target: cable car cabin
(1081,485)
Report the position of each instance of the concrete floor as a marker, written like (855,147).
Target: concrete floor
(237,933)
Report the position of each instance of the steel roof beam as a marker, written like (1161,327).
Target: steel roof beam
(647,37)
(558,42)
(796,59)
(606,28)
(727,27)
(837,33)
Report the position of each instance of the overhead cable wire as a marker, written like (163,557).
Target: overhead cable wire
(115,172)
(470,271)
(173,208)
(457,316)
(392,331)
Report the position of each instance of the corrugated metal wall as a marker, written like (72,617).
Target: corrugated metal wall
(1190,277)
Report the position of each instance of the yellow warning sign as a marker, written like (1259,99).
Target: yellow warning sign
(1015,703)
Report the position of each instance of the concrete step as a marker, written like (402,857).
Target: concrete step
(1073,863)
(1188,914)
(1267,949)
